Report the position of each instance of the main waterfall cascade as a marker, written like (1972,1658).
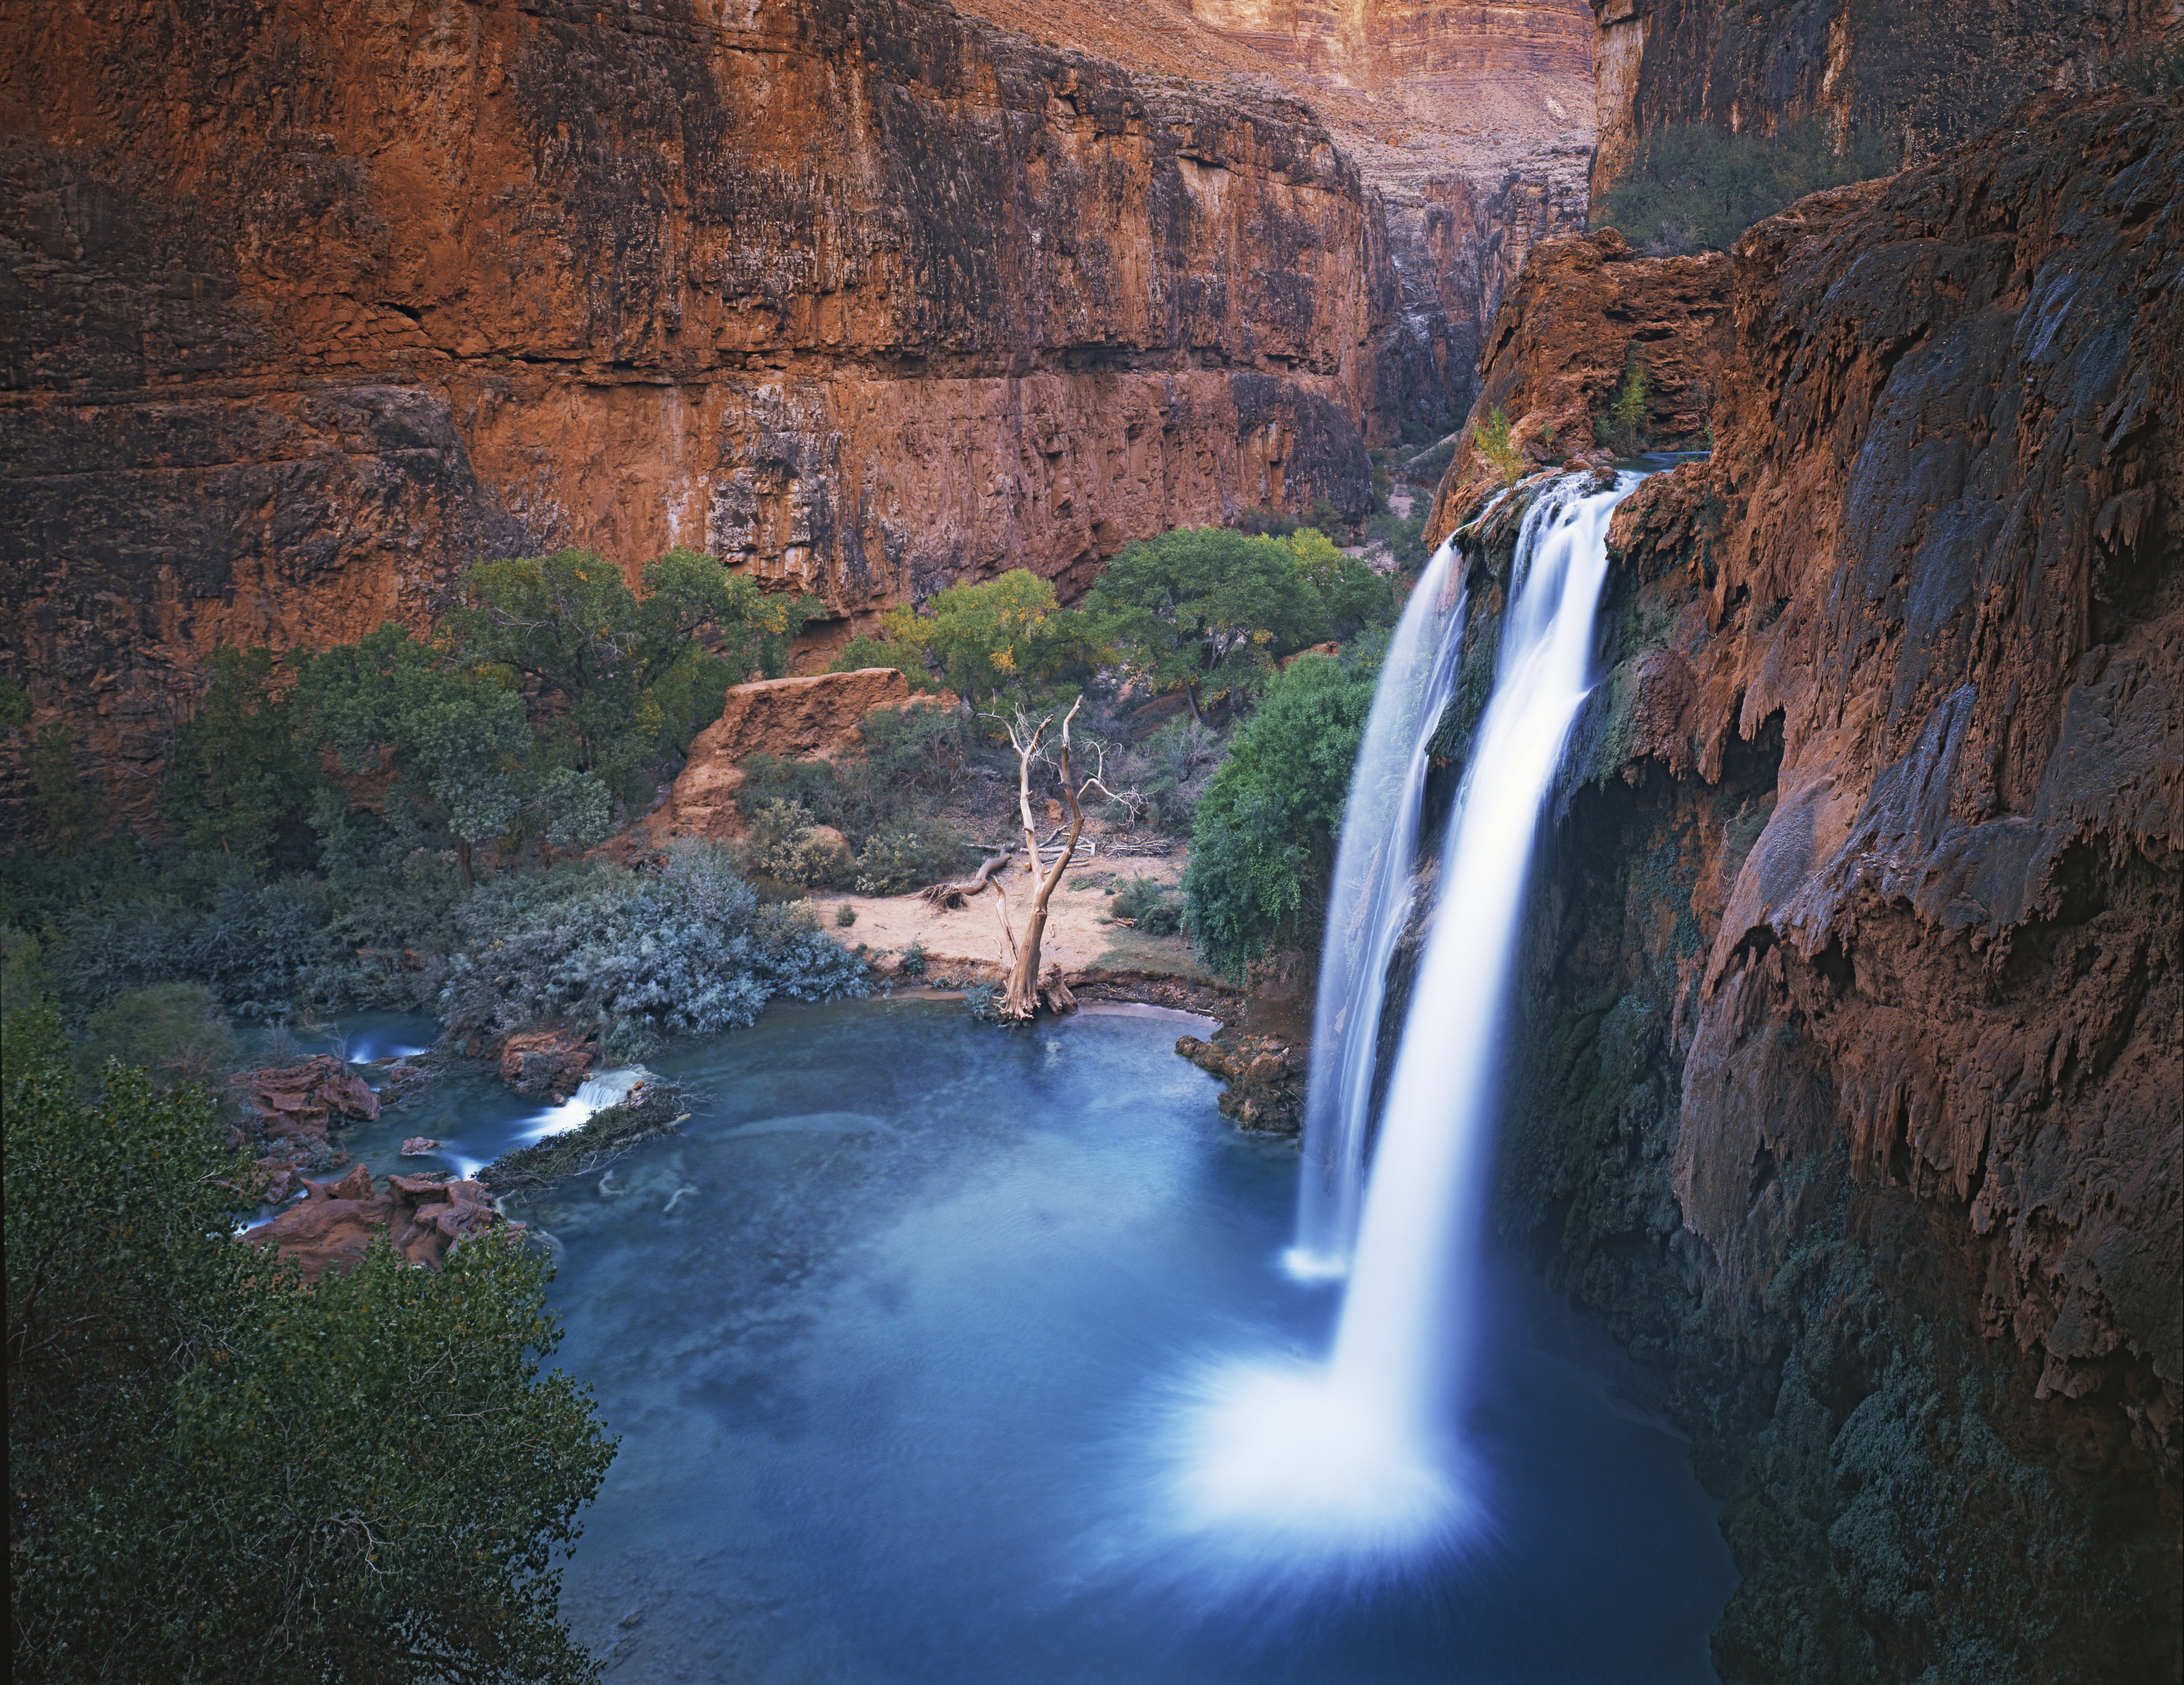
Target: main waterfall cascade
(1353,1464)
(1368,904)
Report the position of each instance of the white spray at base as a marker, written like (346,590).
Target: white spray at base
(1352,1466)
(594,1095)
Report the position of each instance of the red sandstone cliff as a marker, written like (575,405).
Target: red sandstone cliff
(310,305)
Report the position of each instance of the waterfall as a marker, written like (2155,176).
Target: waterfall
(1355,1459)
(1368,903)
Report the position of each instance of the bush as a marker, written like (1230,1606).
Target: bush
(1622,428)
(1262,845)
(253,945)
(2154,68)
(215,1472)
(1696,188)
(899,859)
(176,1030)
(688,951)
(783,845)
(1146,904)
(861,652)
(1491,439)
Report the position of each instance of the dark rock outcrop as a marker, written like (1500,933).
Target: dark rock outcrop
(1266,1077)
(1854,1012)
(1586,309)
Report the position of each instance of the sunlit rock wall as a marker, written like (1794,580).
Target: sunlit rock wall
(309,305)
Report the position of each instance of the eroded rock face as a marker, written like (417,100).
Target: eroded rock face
(1854,1004)
(1587,308)
(1928,76)
(309,307)
(794,718)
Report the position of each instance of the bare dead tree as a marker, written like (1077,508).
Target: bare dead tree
(952,895)
(1021,1001)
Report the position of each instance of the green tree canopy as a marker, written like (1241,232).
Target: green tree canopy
(1263,835)
(1206,610)
(240,778)
(1009,635)
(616,678)
(218,1473)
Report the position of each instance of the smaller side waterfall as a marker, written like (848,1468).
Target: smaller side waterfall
(1368,903)
(1356,1465)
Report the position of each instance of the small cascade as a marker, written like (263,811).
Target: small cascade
(594,1094)
(1368,904)
(1354,1462)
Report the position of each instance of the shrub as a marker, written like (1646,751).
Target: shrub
(1696,188)
(69,805)
(176,1030)
(241,782)
(859,653)
(845,914)
(183,1413)
(1144,903)
(2154,68)
(1491,439)
(254,945)
(1262,845)
(783,844)
(914,961)
(897,859)
(687,951)
(1622,428)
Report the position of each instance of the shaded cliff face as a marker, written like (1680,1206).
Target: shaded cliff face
(1471,124)
(1854,1005)
(308,306)
(1928,76)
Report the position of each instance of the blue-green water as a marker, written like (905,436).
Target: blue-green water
(888,1333)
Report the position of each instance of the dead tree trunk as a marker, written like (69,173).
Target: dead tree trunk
(1021,1002)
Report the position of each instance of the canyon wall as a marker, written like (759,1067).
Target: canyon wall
(1471,122)
(1853,1020)
(307,306)
(1928,76)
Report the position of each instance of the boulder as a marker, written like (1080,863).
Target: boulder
(419,1147)
(334,1223)
(551,1059)
(1266,1077)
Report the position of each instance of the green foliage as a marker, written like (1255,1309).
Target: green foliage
(909,762)
(1164,775)
(1007,636)
(251,942)
(177,1032)
(845,914)
(1622,428)
(907,660)
(616,678)
(687,951)
(458,734)
(899,859)
(1500,452)
(1262,843)
(69,805)
(1260,521)
(1696,188)
(218,1474)
(783,844)
(1351,596)
(1207,610)
(15,706)
(240,778)
(1145,904)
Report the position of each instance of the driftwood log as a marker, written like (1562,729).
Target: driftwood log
(951,895)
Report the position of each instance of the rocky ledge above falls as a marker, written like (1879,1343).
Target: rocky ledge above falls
(1853,1013)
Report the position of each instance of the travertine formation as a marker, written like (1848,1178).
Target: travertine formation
(1856,1026)
(1927,76)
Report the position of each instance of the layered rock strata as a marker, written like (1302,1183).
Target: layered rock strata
(1928,77)
(307,306)
(1852,1014)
